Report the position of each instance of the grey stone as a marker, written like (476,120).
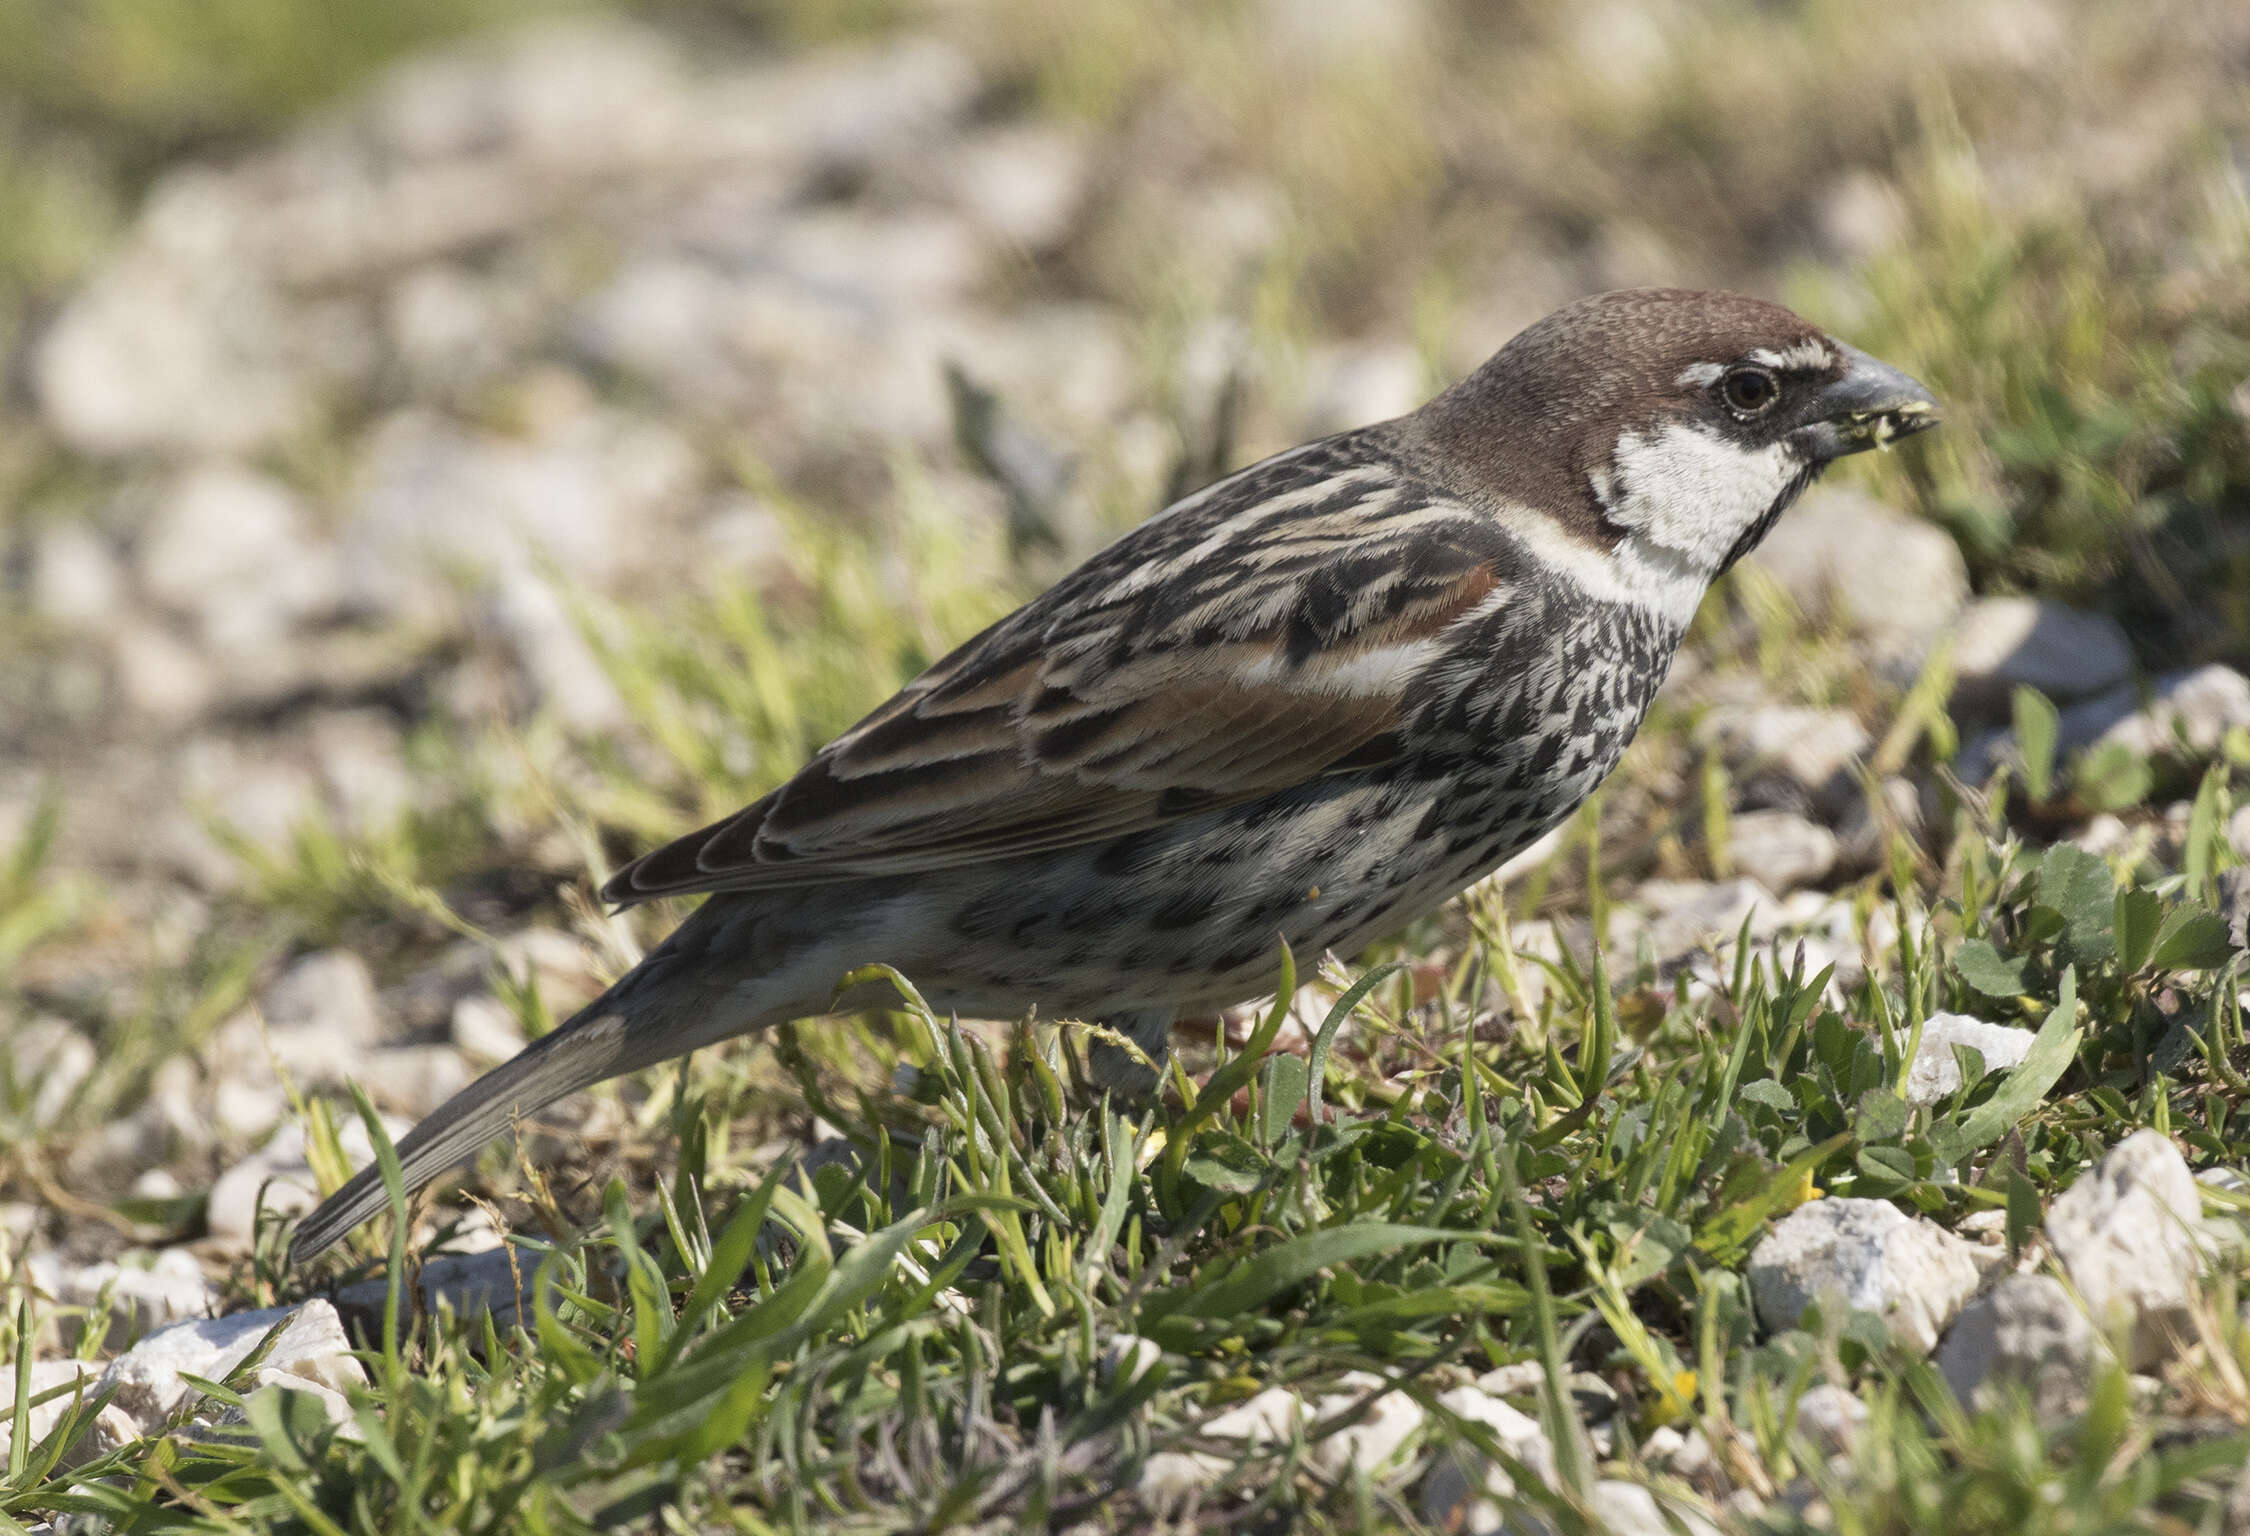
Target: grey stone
(1523,1378)
(567,679)
(1897,579)
(2066,653)
(566,968)
(112,1427)
(229,549)
(1831,1417)
(845,110)
(1860,215)
(164,354)
(1351,33)
(1869,1256)
(1866,824)
(2238,832)
(1023,183)
(495,1283)
(2027,1334)
(2130,1235)
(1809,749)
(139,1295)
(1170,1478)
(255,788)
(1127,1357)
(1464,1491)
(1350,386)
(1373,1442)
(48,1061)
(159,675)
(336,1407)
(581,492)
(444,324)
(311,1345)
(329,995)
(485,1029)
(2196,706)
(1664,1443)
(1780,849)
(76,578)
(1687,915)
(1620,1508)
(1935,1073)
(360,757)
(413,1079)
(279,1179)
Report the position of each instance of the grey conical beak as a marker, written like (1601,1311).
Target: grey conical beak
(1871,406)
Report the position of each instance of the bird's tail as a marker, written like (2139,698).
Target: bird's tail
(627,1027)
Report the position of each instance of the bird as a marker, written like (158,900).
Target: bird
(1302,705)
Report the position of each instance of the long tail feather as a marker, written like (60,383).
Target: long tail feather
(637,1022)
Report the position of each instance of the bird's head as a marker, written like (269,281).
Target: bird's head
(1678,422)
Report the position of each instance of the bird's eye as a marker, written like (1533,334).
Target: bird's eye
(1750,390)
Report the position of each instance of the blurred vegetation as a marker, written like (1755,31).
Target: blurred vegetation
(2105,386)
(2064,260)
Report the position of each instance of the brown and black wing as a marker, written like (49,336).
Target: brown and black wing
(1262,633)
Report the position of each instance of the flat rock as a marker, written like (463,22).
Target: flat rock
(2026,1333)
(334,1406)
(76,578)
(1688,915)
(278,1179)
(413,1080)
(48,1061)
(1127,1357)
(1780,849)
(325,997)
(472,1286)
(1935,1072)
(311,1345)
(485,1029)
(112,1427)
(1022,183)
(1272,1416)
(2130,1234)
(1831,1417)
(137,1295)
(1620,1508)
(1354,385)
(1808,750)
(1376,1440)
(231,550)
(1867,1255)
(1897,579)
(582,492)
(1463,1490)
(2194,707)
(2066,653)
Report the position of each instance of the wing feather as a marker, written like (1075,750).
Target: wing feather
(1259,635)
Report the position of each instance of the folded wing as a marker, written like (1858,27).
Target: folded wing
(1272,630)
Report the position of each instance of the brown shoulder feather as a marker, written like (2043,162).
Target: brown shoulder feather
(1254,636)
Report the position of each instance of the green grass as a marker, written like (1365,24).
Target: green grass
(919,1344)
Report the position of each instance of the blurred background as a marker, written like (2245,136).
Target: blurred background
(448,444)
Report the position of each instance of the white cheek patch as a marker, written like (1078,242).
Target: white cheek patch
(1693,492)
